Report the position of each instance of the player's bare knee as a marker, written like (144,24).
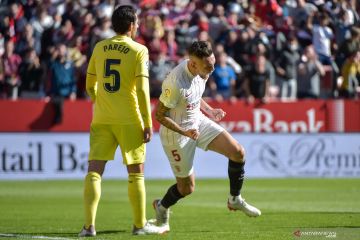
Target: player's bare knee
(239,154)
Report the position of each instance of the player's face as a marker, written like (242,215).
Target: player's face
(205,66)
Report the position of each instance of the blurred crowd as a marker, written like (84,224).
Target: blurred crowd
(265,49)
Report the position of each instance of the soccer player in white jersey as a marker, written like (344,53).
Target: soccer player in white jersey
(184,127)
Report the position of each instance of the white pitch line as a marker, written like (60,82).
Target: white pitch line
(31,236)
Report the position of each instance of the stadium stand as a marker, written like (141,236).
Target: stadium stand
(167,27)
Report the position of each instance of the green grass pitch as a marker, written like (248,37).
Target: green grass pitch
(315,207)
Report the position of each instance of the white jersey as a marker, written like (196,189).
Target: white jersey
(182,93)
(322,37)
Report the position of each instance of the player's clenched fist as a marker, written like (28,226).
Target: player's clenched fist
(192,133)
(217,114)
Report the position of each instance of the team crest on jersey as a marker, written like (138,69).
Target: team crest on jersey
(167,92)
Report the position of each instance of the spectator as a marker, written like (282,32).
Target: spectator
(261,50)
(61,80)
(342,27)
(85,31)
(69,12)
(286,66)
(27,40)
(257,81)
(102,31)
(41,21)
(17,20)
(219,48)
(208,8)
(350,73)
(65,33)
(302,12)
(266,10)
(242,49)
(222,80)
(231,39)
(171,46)
(159,68)
(350,8)
(156,46)
(11,79)
(218,23)
(349,46)
(309,71)
(32,75)
(304,33)
(183,38)
(204,36)
(76,56)
(262,45)
(151,25)
(106,8)
(322,37)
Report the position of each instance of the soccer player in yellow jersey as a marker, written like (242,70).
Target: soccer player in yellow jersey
(117,82)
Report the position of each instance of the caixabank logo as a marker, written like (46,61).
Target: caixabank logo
(311,156)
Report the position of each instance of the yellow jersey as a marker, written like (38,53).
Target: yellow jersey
(349,71)
(117,81)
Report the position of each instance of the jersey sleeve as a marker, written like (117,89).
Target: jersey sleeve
(142,68)
(170,92)
(91,78)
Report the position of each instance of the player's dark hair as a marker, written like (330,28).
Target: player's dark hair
(200,49)
(122,18)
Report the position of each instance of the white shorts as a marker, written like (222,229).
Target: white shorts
(181,156)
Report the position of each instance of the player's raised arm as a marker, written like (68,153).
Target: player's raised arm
(161,116)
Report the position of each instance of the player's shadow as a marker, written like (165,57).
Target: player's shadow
(109,232)
(45,120)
